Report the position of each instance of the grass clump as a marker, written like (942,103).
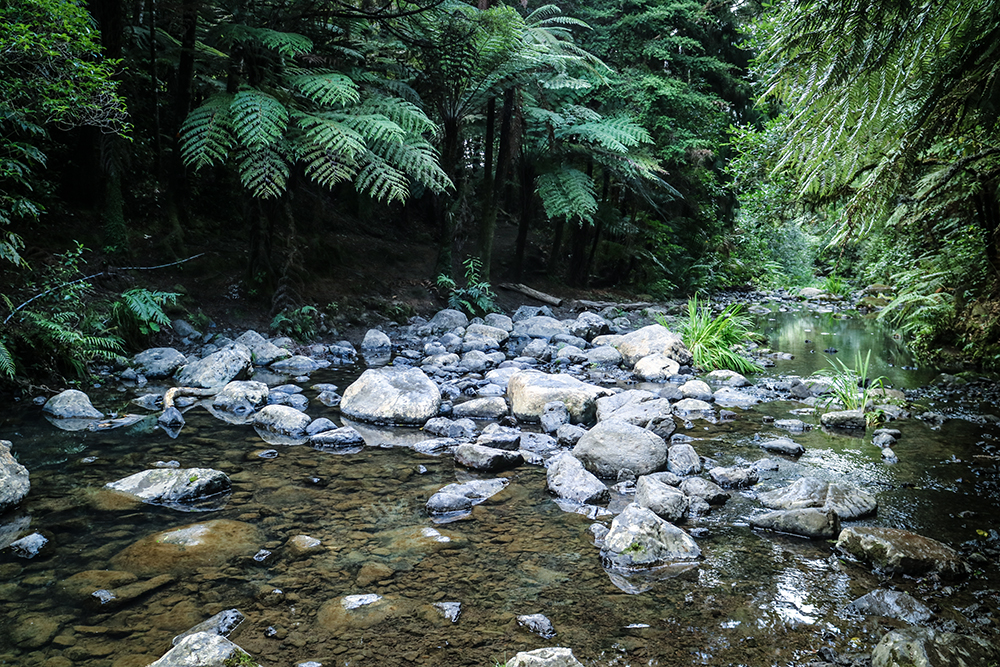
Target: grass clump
(711,339)
(852,387)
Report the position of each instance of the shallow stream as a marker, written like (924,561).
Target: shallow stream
(756,598)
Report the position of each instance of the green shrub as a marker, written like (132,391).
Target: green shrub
(477,297)
(711,339)
(138,314)
(302,324)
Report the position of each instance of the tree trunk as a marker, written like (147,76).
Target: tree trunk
(445,216)
(556,247)
(487,230)
(527,178)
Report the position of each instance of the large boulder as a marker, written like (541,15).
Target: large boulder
(639,539)
(14,482)
(614,446)
(188,548)
(666,501)
(173,486)
(588,325)
(847,500)
(241,397)
(282,420)
(540,326)
(808,522)
(205,649)
(896,551)
(392,395)
(262,351)
(217,369)
(654,339)
(447,320)
(71,404)
(567,478)
(158,362)
(528,391)
(682,460)
(640,408)
(925,647)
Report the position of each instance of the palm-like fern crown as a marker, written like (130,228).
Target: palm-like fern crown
(871,87)
(337,125)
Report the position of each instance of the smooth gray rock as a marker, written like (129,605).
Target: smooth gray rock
(656,368)
(500,321)
(158,362)
(736,477)
(609,406)
(487,459)
(29,546)
(891,604)
(792,425)
(539,326)
(640,408)
(847,500)
(569,434)
(203,649)
(173,486)
(809,522)
(474,361)
(282,420)
(183,329)
(340,438)
(14,478)
(698,390)
(392,395)
(639,539)
(545,657)
(567,478)
(241,397)
(500,437)
(375,340)
(463,429)
(710,492)
(665,500)
(537,623)
(682,460)
(217,369)
(604,355)
(490,407)
(614,445)
(71,404)
(529,391)
(653,339)
(447,320)
(554,415)
(727,378)
(692,408)
(845,419)
(730,397)
(588,325)
(458,497)
(486,331)
(297,365)
(262,351)
(524,312)
(221,624)
(785,446)
(896,551)
(924,647)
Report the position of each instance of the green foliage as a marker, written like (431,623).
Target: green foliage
(852,387)
(138,314)
(477,297)
(711,339)
(240,659)
(834,284)
(302,324)
(568,193)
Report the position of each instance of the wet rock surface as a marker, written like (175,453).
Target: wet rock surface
(896,551)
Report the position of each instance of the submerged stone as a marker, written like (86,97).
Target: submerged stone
(847,500)
(896,551)
(640,539)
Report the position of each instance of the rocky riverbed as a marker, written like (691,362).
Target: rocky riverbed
(455,491)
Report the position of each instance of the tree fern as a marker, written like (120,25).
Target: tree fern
(325,88)
(568,193)
(264,172)
(7,367)
(206,138)
(258,119)
(285,43)
(381,180)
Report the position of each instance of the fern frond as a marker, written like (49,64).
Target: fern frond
(288,44)
(6,361)
(372,126)
(381,180)
(327,167)
(406,115)
(205,134)
(325,88)
(568,193)
(258,119)
(329,135)
(613,134)
(264,172)
(418,159)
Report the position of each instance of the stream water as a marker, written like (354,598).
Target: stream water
(756,599)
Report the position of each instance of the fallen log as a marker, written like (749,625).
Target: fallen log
(533,293)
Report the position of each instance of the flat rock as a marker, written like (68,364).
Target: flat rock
(785,446)
(736,477)
(217,369)
(391,395)
(640,408)
(727,378)
(459,497)
(847,500)
(710,492)
(71,404)
(241,397)
(844,419)
(344,437)
(924,647)
(567,478)
(262,351)
(808,522)
(173,486)
(158,362)
(493,407)
(545,657)
(891,604)
(693,408)
(537,623)
(613,446)
(282,420)
(530,390)
(487,459)
(188,548)
(639,539)
(896,551)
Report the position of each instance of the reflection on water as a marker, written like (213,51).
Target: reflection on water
(755,598)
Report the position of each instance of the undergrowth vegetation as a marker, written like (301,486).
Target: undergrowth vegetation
(711,339)
(852,387)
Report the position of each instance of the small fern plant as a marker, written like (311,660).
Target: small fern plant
(477,297)
(300,323)
(138,314)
